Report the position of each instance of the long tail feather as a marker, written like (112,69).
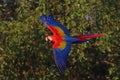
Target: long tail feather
(86,37)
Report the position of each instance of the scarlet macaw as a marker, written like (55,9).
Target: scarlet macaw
(62,40)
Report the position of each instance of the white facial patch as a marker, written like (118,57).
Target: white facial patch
(49,37)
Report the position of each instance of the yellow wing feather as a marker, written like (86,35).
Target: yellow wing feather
(60,31)
(62,45)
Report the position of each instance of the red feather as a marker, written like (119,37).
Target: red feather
(84,37)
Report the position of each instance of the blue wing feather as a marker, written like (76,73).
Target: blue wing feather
(60,56)
(50,21)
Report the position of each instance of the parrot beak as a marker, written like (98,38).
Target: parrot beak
(46,38)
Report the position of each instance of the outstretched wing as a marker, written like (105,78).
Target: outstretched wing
(61,54)
(54,26)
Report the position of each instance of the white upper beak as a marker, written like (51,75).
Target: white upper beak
(46,39)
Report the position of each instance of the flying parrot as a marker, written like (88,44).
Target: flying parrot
(62,40)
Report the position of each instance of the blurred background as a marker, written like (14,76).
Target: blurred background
(24,54)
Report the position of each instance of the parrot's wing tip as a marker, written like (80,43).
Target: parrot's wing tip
(43,18)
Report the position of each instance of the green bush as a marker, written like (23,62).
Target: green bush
(24,54)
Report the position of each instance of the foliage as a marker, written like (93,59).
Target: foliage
(24,54)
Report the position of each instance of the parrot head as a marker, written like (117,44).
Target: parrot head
(48,38)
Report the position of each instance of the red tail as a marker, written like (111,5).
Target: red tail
(89,36)
(84,38)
